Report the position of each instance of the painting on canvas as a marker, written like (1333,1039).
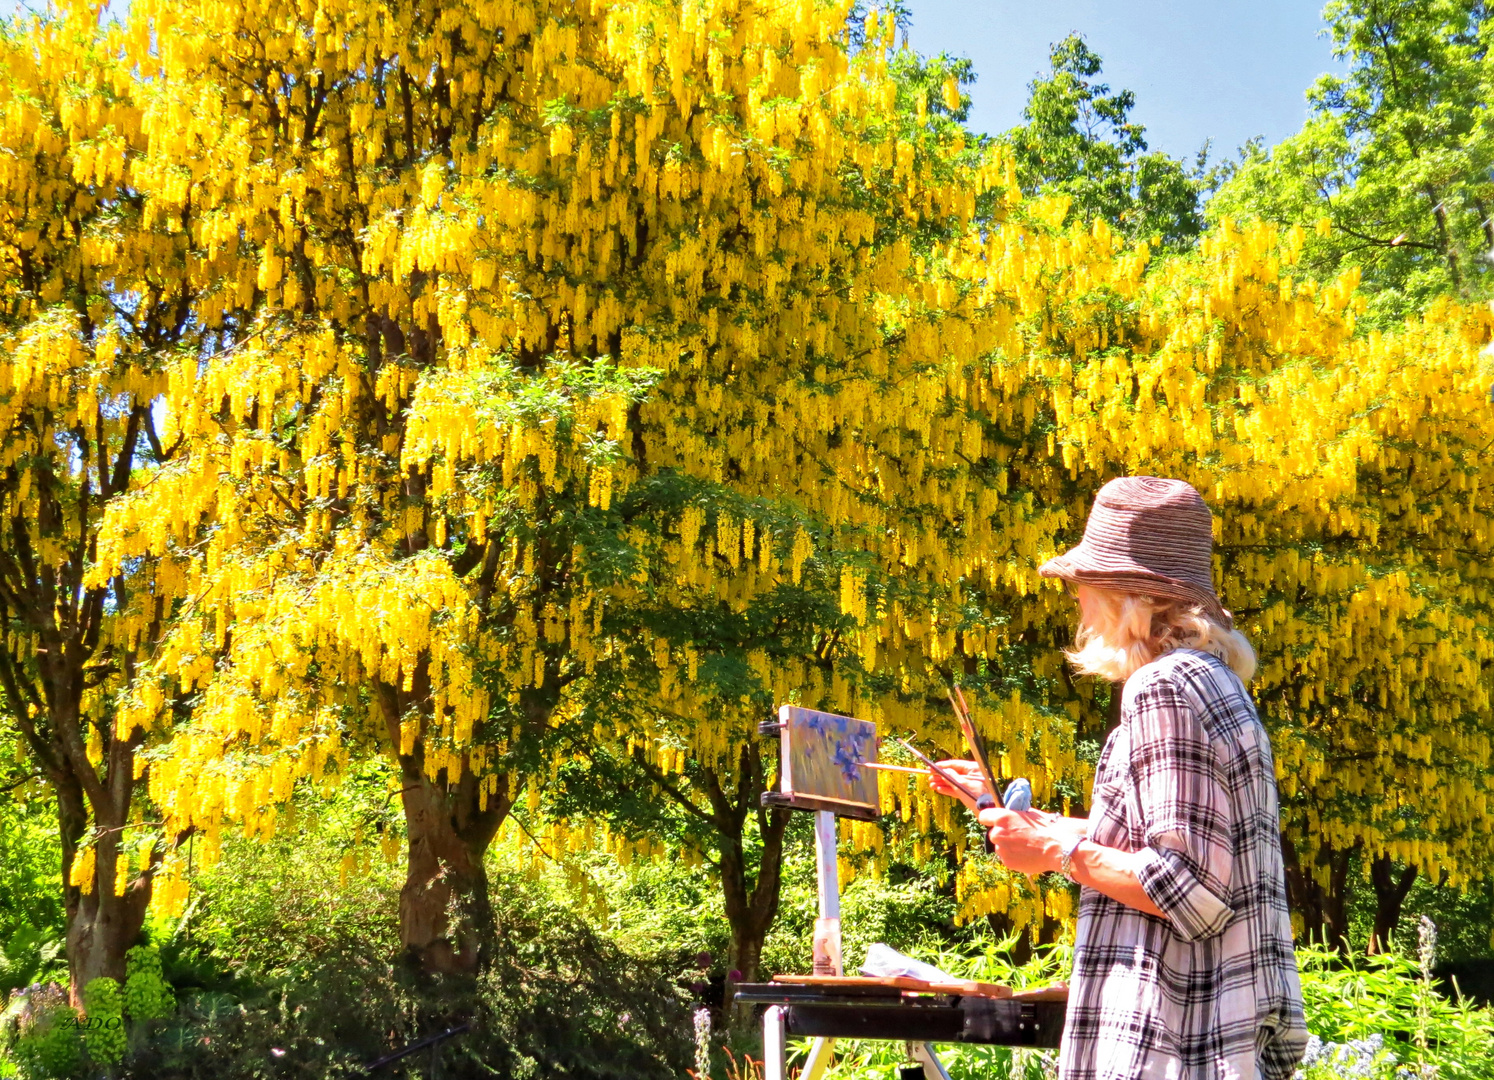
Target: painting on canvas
(823,754)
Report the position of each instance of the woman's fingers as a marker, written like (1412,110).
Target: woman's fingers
(966,772)
(997,820)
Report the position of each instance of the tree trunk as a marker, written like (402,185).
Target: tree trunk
(1323,907)
(751,903)
(751,906)
(101,927)
(1444,237)
(1390,893)
(445,913)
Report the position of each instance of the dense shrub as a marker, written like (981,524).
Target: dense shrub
(282,971)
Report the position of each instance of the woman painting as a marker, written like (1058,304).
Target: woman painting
(1183,963)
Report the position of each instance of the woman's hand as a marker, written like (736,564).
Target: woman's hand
(1024,841)
(966,772)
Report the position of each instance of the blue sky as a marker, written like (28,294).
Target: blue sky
(1201,69)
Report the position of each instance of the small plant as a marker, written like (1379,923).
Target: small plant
(103,1030)
(1358,1059)
(43,1034)
(147,994)
(702,1044)
(746,1069)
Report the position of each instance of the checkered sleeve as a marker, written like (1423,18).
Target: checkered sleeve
(1185,809)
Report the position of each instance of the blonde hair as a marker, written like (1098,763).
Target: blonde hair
(1125,631)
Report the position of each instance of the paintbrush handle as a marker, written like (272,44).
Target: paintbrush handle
(893,768)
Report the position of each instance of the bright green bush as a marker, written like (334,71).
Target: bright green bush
(39,1035)
(1358,998)
(147,995)
(293,974)
(103,1030)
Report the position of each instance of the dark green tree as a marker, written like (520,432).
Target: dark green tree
(1079,140)
(1397,155)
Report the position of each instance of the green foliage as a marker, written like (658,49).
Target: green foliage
(290,967)
(147,995)
(31,919)
(1397,155)
(28,957)
(103,1031)
(40,1035)
(1079,140)
(1356,998)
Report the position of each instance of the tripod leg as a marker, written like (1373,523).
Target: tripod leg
(773,1067)
(924,1054)
(820,1053)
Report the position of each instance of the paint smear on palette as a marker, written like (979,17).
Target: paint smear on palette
(825,754)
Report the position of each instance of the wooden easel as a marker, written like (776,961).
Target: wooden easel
(827,878)
(822,1049)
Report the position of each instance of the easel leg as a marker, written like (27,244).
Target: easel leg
(773,1068)
(820,1053)
(923,1053)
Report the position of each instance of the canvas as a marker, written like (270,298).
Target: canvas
(822,755)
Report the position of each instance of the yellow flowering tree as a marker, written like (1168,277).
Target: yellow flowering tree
(1348,475)
(594,376)
(93,307)
(572,340)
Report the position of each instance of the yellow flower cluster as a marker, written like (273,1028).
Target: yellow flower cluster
(553,335)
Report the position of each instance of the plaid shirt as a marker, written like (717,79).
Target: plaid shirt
(1210,992)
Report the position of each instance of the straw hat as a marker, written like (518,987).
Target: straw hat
(1149,536)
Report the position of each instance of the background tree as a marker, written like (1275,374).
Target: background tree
(1079,140)
(94,306)
(617,376)
(1396,155)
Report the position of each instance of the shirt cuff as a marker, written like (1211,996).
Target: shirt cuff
(1193,910)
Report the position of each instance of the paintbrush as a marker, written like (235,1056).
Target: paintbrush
(893,768)
(943,774)
(975,742)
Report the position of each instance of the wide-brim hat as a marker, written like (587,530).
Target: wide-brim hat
(1148,536)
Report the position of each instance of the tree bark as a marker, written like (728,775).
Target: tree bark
(1323,907)
(1390,894)
(100,925)
(446,919)
(751,903)
(1444,238)
(445,913)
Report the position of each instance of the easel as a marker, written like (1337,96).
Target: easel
(827,939)
(821,1049)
